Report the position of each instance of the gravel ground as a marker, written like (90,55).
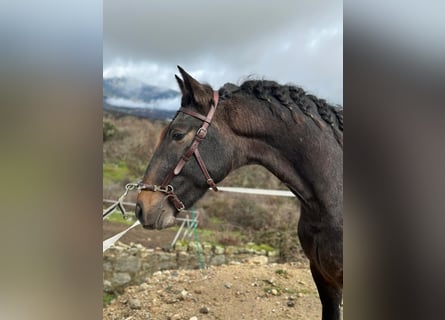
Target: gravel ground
(238,291)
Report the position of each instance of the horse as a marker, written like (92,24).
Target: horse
(294,135)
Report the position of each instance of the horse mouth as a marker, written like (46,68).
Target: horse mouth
(162,222)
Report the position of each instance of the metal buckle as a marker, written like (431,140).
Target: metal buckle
(201,133)
(166,189)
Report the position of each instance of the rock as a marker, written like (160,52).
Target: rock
(144,286)
(218,259)
(182,257)
(291,303)
(107,266)
(204,310)
(120,278)
(228,285)
(272,253)
(175,317)
(274,292)
(198,290)
(230,250)
(194,318)
(206,248)
(180,246)
(171,300)
(184,294)
(127,264)
(218,250)
(107,286)
(259,260)
(193,247)
(134,304)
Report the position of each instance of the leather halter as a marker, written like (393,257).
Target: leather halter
(200,135)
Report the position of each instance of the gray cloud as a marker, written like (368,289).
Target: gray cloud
(226,41)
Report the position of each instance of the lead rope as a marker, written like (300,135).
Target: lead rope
(195,231)
(120,206)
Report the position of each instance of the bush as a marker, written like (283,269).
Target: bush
(109,130)
(247,214)
(286,241)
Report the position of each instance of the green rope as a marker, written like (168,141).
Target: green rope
(195,231)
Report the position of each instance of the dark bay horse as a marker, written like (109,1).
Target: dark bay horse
(296,136)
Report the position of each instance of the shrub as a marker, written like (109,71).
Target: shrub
(247,214)
(286,241)
(109,130)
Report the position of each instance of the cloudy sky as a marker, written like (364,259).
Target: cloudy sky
(221,41)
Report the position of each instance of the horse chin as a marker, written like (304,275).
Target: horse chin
(163,221)
(167,222)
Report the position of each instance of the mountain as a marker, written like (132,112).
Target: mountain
(132,96)
(150,113)
(134,89)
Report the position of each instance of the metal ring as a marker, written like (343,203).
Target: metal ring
(131,186)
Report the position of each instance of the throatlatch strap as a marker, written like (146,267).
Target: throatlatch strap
(209,179)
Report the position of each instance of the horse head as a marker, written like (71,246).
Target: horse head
(191,156)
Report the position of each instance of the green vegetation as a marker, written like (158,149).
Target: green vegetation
(117,217)
(115,172)
(107,298)
(109,130)
(282,273)
(260,247)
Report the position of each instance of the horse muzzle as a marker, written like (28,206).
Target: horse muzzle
(155,218)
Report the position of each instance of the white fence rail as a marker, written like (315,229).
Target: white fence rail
(190,223)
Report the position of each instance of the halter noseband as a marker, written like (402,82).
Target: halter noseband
(200,135)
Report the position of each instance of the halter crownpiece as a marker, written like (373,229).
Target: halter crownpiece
(200,135)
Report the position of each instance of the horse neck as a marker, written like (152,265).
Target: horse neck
(308,160)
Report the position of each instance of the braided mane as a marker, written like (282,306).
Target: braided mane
(292,97)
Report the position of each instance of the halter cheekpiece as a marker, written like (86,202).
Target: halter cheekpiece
(200,135)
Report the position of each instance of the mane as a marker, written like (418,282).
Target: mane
(292,98)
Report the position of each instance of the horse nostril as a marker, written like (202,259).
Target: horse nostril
(138,212)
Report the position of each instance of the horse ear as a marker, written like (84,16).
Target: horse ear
(181,85)
(200,93)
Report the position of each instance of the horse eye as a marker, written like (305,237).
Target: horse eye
(178,136)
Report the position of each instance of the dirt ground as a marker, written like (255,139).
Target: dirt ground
(243,291)
(148,238)
(237,291)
